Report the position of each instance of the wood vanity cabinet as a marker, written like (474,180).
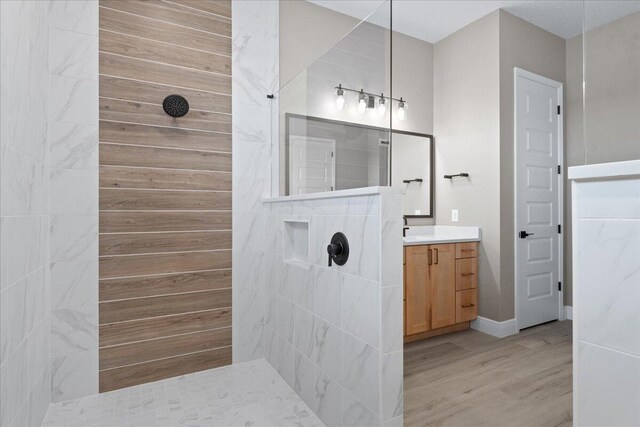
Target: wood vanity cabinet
(440,289)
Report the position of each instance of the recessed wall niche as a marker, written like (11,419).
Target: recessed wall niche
(295,248)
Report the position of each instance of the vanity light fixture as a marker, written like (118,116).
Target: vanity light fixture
(382,105)
(340,98)
(367,101)
(362,102)
(402,109)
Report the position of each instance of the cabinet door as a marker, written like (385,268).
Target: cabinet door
(443,286)
(417,289)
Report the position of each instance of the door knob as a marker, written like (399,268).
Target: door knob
(524,234)
(338,249)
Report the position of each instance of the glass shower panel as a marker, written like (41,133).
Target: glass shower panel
(611,66)
(331,120)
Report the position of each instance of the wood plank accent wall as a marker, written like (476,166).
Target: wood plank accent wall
(165,190)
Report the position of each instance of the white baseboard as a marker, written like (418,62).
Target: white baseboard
(495,328)
(568,312)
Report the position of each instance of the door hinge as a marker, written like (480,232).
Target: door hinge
(332,154)
(558,110)
(559,169)
(559,229)
(559,286)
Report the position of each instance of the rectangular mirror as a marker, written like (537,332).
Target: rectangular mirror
(329,155)
(412,168)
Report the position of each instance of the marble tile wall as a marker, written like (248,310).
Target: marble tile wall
(255,74)
(606,318)
(335,333)
(24,213)
(74,198)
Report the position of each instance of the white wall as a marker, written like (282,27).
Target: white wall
(467,130)
(255,74)
(74,198)
(335,333)
(49,206)
(25,368)
(606,319)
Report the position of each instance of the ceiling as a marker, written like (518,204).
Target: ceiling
(433,20)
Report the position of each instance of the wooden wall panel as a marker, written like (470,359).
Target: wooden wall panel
(165,190)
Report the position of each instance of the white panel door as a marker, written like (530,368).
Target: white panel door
(537,195)
(311,165)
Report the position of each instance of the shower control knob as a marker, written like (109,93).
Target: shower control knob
(338,249)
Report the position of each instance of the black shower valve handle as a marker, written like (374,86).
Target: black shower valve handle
(333,249)
(338,249)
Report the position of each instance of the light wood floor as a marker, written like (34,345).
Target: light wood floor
(472,379)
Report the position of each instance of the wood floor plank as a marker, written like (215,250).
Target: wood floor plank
(140,26)
(132,222)
(163,179)
(160,348)
(143,308)
(152,93)
(469,378)
(147,243)
(138,287)
(153,115)
(130,155)
(158,327)
(137,69)
(173,14)
(158,136)
(218,7)
(144,265)
(125,199)
(127,376)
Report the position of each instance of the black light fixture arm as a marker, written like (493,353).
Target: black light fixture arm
(361,91)
(461,174)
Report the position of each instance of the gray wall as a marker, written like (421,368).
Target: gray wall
(612,112)
(525,46)
(322,40)
(467,129)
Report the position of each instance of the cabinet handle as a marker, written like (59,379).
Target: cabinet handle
(436,260)
(429,256)
(467,305)
(466,250)
(467,274)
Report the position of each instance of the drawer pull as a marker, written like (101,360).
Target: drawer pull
(467,250)
(467,274)
(467,305)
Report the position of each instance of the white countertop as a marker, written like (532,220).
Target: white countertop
(364,191)
(432,234)
(606,170)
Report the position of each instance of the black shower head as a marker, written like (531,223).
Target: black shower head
(175,106)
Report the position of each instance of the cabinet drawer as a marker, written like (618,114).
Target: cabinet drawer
(466,250)
(466,305)
(466,273)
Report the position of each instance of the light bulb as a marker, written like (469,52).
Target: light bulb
(340,99)
(382,106)
(401,110)
(362,103)
(340,102)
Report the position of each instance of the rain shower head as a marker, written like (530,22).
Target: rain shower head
(175,106)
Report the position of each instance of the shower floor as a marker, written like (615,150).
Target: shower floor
(244,394)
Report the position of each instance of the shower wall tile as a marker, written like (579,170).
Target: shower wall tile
(255,74)
(73,146)
(73,67)
(338,322)
(24,213)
